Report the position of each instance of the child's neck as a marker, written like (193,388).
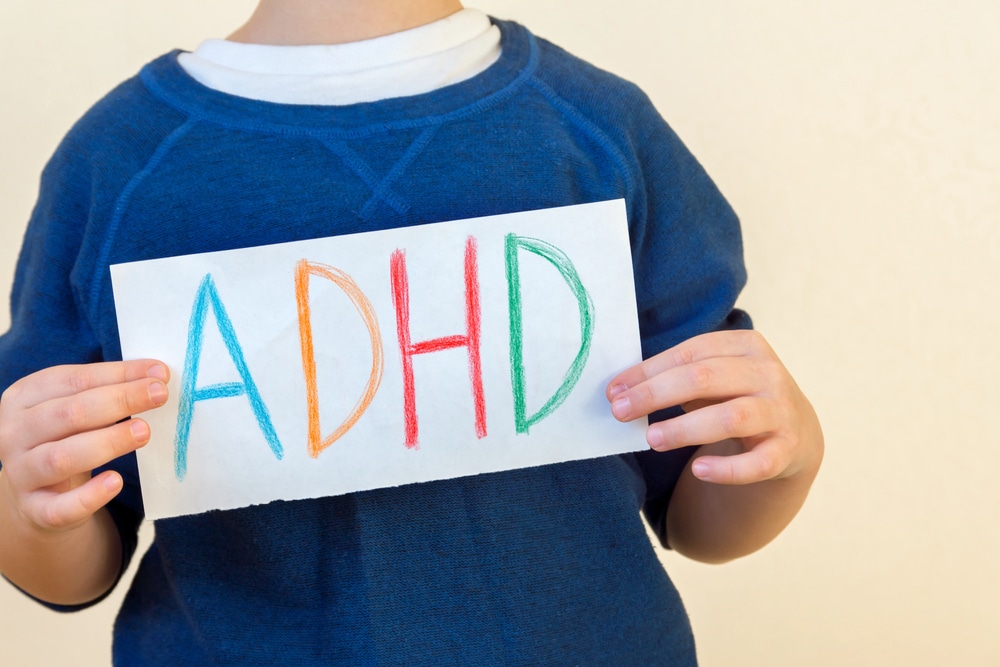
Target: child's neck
(299,22)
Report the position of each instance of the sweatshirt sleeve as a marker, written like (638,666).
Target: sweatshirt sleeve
(688,262)
(48,326)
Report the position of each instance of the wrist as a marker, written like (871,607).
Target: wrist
(67,567)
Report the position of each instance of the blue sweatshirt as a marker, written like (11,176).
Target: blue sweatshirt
(542,566)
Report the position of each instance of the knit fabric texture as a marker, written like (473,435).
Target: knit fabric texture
(540,566)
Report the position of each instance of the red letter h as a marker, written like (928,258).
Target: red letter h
(401,299)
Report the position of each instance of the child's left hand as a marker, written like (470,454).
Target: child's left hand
(731,385)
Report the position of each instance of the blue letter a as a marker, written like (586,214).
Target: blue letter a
(190,394)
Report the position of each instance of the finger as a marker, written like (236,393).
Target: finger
(55,462)
(63,381)
(706,346)
(708,380)
(765,461)
(60,511)
(94,409)
(742,417)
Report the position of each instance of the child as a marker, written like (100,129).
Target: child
(420,112)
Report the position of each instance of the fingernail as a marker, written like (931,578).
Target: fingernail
(620,407)
(140,431)
(157,371)
(654,438)
(616,389)
(700,470)
(157,393)
(112,482)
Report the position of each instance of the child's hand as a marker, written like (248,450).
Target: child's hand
(60,423)
(731,386)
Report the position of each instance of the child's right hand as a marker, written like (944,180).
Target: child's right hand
(59,424)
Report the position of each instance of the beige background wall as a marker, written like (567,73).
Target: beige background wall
(860,142)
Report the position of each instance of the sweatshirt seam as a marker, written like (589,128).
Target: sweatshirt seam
(124,199)
(591,129)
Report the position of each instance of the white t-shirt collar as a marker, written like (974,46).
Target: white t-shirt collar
(411,62)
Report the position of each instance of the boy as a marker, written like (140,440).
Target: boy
(337,116)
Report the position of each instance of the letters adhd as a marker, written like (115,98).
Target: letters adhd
(305,271)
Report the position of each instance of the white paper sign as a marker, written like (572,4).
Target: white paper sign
(356,362)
